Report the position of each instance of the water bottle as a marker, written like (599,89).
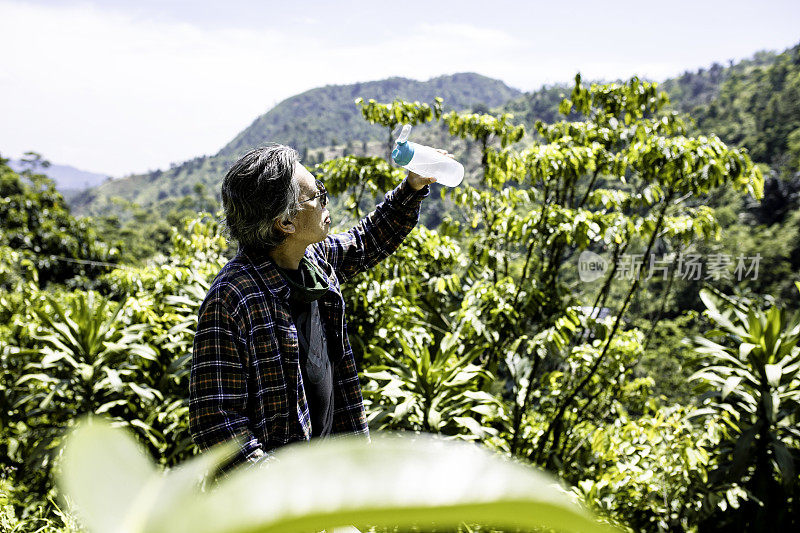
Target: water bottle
(426,161)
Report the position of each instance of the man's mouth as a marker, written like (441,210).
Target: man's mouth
(328,220)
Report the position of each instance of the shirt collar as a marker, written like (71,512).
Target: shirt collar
(268,270)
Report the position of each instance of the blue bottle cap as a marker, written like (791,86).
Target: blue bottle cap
(403,153)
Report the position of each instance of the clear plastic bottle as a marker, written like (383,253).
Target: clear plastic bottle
(426,161)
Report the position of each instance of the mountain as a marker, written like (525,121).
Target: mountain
(323,119)
(66,178)
(327,116)
(688,93)
(759,109)
(754,103)
(694,89)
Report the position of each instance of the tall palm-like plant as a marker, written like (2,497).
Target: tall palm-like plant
(751,383)
(86,361)
(87,352)
(429,389)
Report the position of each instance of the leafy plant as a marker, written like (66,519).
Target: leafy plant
(398,112)
(394,482)
(651,472)
(86,360)
(750,380)
(431,388)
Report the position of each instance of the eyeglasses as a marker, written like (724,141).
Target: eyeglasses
(322,195)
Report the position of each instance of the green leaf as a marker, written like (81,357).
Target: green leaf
(741,453)
(730,384)
(108,476)
(394,481)
(698,413)
(784,460)
(471,424)
(773,373)
(744,350)
(144,393)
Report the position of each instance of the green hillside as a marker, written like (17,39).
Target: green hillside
(318,123)
(754,103)
(760,109)
(698,88)
(327,116)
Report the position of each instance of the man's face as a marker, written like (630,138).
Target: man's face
(313,220)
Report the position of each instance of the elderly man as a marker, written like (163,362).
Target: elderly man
(272,362)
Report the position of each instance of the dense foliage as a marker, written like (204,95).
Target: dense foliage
(486,327)
(38,232)
(761,111)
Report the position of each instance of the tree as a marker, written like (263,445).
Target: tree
(622,138)
(625,177)
(398,112)
(36,222)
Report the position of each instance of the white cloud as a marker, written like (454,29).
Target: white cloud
(113,92)
(110,93)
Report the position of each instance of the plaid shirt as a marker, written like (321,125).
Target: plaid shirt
(245,378)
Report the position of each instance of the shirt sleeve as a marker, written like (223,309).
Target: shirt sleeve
(218,383)
(377,235)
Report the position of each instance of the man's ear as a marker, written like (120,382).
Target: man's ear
(286,226)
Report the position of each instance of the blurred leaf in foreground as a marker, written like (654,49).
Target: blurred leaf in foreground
(396,481)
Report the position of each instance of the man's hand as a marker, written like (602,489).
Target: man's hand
(416,182)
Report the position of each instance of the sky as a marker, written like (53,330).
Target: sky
(122,87)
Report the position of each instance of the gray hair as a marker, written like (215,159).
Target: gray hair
(259,190)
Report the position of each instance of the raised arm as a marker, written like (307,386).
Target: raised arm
(377,235)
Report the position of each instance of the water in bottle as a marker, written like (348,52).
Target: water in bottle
(426,161)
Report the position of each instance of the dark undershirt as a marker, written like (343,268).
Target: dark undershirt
(315,364)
